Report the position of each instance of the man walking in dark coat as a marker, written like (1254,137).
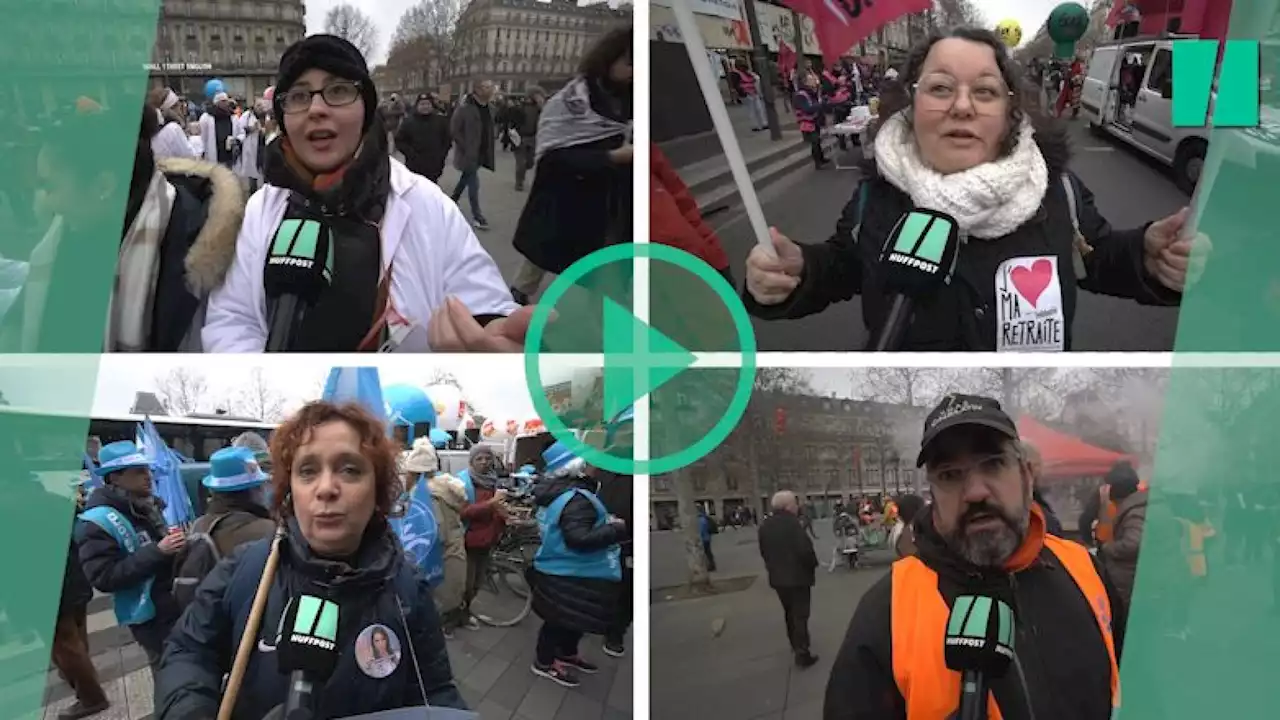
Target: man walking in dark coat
(473,136)
(790,560)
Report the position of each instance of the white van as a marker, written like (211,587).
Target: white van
(1146,120)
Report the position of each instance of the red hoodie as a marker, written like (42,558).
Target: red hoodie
(674,218)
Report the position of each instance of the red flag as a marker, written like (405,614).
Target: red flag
(841,24)
(786,58)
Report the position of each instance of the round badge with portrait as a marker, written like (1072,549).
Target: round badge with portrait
(378,651)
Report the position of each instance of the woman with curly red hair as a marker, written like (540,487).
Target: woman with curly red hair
(335,484)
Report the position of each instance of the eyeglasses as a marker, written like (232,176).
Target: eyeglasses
(938,93)
(958,472)
(336,94)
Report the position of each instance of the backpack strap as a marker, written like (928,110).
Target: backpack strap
(864,191)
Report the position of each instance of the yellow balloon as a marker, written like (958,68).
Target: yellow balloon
(1010,32)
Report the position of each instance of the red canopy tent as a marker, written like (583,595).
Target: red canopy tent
(1066,456)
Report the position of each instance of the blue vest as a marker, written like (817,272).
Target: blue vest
(556,558)
(419,533)
(469,488)
(133,606)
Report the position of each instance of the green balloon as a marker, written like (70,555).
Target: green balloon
(1067,23)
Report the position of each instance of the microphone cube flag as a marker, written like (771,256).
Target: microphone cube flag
(308,637)
(979,635)
(920,254)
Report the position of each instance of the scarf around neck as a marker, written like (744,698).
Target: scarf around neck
(568,120)
(358,188)
(132,298)
(988,201)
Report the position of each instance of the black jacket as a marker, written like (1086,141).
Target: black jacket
(202,646)
(425,141)
(963,315)
(616,494)
(787,550)
(580,200)
(583,604)
(1058,642)
(76,590)
(109,568)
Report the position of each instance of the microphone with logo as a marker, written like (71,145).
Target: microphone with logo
(307,650)
(918,259)
(979,645)
(299,268)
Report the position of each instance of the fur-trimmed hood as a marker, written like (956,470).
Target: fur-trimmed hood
(215,247)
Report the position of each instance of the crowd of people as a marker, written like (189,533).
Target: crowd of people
(214,181)
(320,510)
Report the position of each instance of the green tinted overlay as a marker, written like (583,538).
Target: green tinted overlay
(46,400)
(693,311)
(1235,304)
(72,82)
(1203,635)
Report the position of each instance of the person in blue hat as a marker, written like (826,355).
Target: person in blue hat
(237,514)
(576,578)
(126,549)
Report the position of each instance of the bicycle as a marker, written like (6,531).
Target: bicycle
(504,598)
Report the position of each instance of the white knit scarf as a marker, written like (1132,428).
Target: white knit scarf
(988,201)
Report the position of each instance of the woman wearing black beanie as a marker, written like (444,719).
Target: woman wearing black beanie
(402,270)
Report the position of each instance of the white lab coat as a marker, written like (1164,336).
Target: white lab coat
(435,251)
(208,138)
(246,130)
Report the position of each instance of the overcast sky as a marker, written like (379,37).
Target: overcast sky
(494,384)
(1031,14)
(385,14)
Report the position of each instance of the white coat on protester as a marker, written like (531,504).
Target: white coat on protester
(247,130)
(436,255)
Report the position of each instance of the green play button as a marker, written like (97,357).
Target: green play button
(694,360)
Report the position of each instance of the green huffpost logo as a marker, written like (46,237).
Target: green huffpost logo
(921,242)
(296,243)
(316,623)
(970,622)
(1237,102)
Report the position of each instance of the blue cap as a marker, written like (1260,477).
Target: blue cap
(560,460)
(233,469)
(120,455)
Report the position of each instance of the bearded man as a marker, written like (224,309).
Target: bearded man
(982,535)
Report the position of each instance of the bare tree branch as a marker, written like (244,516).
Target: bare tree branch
(348,22)
(257,399)
(183,391)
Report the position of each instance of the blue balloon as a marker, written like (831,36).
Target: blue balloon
(213,87)
(439,437)
(408,405)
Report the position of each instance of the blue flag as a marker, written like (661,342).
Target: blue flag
(167,474)
(420,533)
(358,385)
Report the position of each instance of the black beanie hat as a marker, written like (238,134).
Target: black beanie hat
(333,55)
(1123,480)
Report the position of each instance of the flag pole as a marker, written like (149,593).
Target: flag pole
(720,119)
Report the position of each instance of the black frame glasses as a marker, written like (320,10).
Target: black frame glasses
(291,109)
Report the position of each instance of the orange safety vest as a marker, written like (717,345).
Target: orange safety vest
(1195,535)
(919,622)
(1105,528)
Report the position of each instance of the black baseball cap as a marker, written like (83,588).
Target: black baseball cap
(956,410)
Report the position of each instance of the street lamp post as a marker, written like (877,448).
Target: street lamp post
(761,54)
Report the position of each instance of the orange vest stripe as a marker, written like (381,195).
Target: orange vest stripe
(919,619)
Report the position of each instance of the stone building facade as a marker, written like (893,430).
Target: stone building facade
(238,41)
(522,43)
(824,449)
